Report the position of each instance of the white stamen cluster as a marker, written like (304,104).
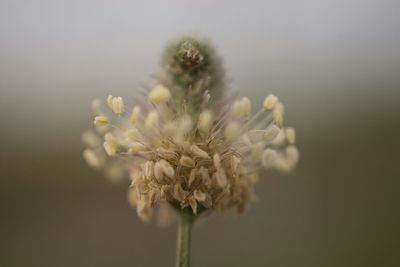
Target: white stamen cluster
(208,159)
(116,104)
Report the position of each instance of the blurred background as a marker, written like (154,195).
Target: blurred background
(334,63)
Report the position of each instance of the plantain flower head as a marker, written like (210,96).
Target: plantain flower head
(188,141)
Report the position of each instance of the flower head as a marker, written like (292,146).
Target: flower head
(187,144)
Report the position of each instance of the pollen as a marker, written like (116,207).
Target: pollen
(199,152)
(241,108)
(92,158)
(101,121)
(278,118)
(159,94)
(116,104)
(270,102)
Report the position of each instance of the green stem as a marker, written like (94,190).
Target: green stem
(184,238)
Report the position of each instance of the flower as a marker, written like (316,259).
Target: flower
(188,143)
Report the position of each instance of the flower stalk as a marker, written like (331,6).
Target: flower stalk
(184,238)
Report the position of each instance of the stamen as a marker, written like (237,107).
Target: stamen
(278,117)
(291,135)
(270,102)
(111,144)
(136,147)
(187,161)
(241,108)
(268,158)
(199,152)
(205,121)
(101,121)
(167,169)
(135,114)
(116,104)
(92,158)
(152,119)
(221,179)
(232,131)
(159,94)
(158,171)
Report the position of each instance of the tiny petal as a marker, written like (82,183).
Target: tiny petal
(167,169)
(136,147)
(199,195)
(193,204)
(207,202)
(221,178)
(118,106)
(179,193)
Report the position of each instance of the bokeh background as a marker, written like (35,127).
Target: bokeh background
(334,63)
